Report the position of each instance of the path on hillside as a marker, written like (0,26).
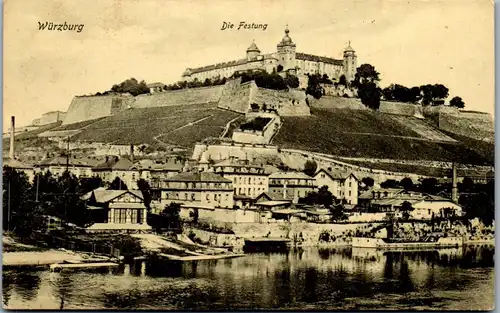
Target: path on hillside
(178,128)
(226,128)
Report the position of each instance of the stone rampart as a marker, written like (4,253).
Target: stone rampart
(400,108)
(51,117)
(475,125)
(286,103)
(92,107)
(180,97)
(236,96)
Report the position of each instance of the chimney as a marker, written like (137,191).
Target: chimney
(131,153)
(454,189)
(12,131)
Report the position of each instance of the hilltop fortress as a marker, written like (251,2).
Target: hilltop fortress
(285,59)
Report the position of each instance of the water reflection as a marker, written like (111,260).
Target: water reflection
(319,279)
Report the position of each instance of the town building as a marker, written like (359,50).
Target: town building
(20,166)
(290,185)
(155,87)
(120,167)
(342,185)
(155,171)
(197,189)
(285,59)
(116,210)
(76,166)
(248,179)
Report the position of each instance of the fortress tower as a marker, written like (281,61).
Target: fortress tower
(286,52)
(350,63)
(252,52)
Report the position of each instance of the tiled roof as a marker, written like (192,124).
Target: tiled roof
(104,195)
(335,175)
(315,58)
(237,163)
(61,161)
(218,66)
(114,163)
(198,177)
(154,85)
(15,164)
(160,166)
(368,194)
(290,175)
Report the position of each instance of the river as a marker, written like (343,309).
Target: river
(302,279)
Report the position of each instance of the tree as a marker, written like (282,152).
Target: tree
(432,93)
(145,189)
(429,185)
(313,86)
(195,215)
(365,80)
(406,183)
(467,185)
(279,68)
(343,80)
(20,213)
(171,216)
(457,102)
(390,183)
(322,197)
(118,184)
(366,73)
(131,86)
(406,207)
(310,167)
(291,81)
(88,184)
(368,181)
(369,94)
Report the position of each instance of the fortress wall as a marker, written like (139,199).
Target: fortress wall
(330,102)
(92,107)
(180,97)
(224,151)
(236,97)
(478,126)
(286,103)
(400,108)
(51,117)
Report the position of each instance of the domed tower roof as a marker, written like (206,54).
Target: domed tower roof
(253,47)
(349,48)
(286,41)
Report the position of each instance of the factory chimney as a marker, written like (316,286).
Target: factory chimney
(454,189)
(131,154)
(12,131)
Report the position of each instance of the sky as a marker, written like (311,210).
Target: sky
(409,42)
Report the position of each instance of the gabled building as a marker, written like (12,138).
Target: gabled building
(342,185)
(77,166)
(155,171)
(20,166)
(290,185)
(114,166)
(248,179)
(198,189)
(116,209)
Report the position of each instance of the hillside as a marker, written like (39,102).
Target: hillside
(174,125)
(368,134)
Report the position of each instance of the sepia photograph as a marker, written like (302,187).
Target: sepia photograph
(328,155)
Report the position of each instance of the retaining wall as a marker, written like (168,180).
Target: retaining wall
(92,107)
(180,97)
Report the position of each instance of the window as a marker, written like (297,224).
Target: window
(193,197)
(349,193)
(120,216)
(208,196)
(177,196)
(186,196)
(135,216)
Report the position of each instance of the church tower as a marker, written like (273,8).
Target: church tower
(286,52)
(350,63)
